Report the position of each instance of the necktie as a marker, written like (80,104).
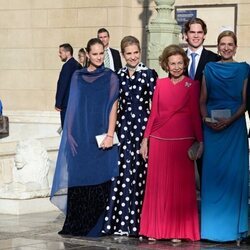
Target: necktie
(106,59)
(192,67)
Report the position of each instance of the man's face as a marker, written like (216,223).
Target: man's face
(104,38)
(63,54)
(195,36)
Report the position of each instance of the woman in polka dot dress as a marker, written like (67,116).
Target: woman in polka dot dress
(137,83)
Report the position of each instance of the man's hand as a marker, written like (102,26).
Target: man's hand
(57,109)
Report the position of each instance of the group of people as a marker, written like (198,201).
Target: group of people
(145,184)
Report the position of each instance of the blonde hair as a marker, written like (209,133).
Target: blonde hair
(129,40)
(227,33)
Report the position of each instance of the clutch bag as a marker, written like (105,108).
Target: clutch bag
(4,126)
(100,138)
(192,151)
(220,114)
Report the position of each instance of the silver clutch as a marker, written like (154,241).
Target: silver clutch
(192,151)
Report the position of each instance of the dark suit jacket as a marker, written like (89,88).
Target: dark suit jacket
(116,58)
(63,83)
(206,56)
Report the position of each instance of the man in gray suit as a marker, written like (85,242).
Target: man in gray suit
(112,58)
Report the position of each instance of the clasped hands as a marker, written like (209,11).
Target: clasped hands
(220,124)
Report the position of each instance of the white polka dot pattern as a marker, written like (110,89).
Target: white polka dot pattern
(127,189)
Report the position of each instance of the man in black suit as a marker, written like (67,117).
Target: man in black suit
(195,31)
(63,83)
(113,59)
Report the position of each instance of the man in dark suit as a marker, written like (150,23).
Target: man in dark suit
(195,31)
(63,83)
(112,58)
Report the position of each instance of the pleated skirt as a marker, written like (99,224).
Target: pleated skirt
(170,206)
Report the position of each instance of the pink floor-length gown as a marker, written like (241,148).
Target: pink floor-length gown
(170,206)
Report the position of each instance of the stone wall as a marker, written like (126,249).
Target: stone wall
(221,19)
(31,30)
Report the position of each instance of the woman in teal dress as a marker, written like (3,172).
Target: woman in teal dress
(224,197)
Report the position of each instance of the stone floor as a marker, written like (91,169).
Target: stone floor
(39,231)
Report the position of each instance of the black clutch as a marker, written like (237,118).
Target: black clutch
(4,126)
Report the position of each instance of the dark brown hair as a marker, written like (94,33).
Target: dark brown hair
(194,21)
(92,42)
(67,47)
(102,30)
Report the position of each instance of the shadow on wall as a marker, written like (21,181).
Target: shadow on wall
(144,17)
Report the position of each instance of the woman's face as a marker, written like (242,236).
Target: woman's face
(96,55)
(227,48)
(81,58)
(132,55)
(175,66)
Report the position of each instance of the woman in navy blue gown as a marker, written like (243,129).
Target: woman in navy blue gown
(83,171)
(224,203)
(137,83)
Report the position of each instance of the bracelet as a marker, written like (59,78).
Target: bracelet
(110,136)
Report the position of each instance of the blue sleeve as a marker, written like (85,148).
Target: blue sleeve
(62,85)
(1,108)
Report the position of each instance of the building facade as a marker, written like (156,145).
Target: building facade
(31,30)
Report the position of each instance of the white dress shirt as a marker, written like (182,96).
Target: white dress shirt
(111,60)
(197,58)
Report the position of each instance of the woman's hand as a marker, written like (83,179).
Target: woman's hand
(144,149)
(107,142)
(220,124)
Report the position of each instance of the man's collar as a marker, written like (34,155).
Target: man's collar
(69,58)
(198,51)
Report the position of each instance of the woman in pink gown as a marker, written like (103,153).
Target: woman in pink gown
(170,207)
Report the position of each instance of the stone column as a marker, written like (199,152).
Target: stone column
(162,31)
